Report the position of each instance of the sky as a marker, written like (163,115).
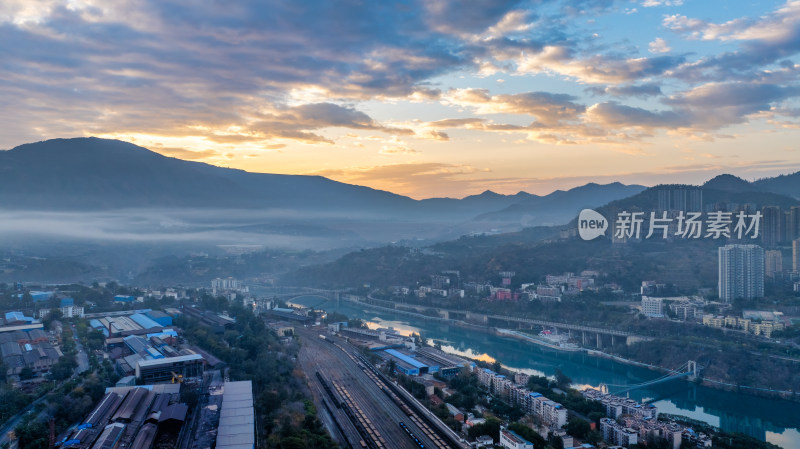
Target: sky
(426,98)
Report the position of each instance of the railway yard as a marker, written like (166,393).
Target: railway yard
(359,405)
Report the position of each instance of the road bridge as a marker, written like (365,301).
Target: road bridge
(589,336)
(688,370)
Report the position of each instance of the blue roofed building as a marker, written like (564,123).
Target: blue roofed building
(137,344)
(144,321)
(124,298)
(407,364)
(38,296)
(66,302)
(17,318)
(160,317)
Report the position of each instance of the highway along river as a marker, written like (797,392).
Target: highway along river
(773,420)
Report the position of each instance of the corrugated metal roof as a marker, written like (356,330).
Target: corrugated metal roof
(144,321)
(182,358)
(245,441)
(174,411)
(410,360)
(237,417)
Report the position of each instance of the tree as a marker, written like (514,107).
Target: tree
(26,373)
(496,366)
(577,427)
(556,442)
(562,380)
(491,427)
(529,434)
(55,314)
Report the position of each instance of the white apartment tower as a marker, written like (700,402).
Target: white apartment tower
(741,272)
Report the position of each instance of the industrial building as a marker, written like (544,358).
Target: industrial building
(210,319)
(237,417)
(164,369)
(133,417)
(143,348)
(160,317)
(290,315)
(27,348)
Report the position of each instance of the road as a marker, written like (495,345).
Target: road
(82,358)
(344,375)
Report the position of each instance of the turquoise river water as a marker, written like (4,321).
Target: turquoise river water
(773,420)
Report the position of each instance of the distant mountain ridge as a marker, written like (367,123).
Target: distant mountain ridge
(560,206)
(97,174)
(92,173)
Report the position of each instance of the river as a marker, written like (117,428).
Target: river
(773,420)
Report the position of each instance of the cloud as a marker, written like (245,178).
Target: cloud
(652,3)
(707,107)
(629,90)
(546,107)
(762,41)
(595,69)
(617,115)
(182,153)
(111,66)
(467,16)
(408,179)
(659,46)
(250,76)
(779,26)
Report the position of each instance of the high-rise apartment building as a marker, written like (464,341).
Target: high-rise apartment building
(772,227)
(680,199)
(796,255)
(741,272)
(773,263)
(793,223)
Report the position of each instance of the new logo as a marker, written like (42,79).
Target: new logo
(591,224)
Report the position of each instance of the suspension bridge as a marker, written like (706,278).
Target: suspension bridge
(688,370)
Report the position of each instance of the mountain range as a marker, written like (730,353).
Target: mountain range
(90,174)
(112,207)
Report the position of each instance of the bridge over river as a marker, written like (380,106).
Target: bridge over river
(589,336)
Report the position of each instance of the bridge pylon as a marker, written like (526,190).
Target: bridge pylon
(691,368)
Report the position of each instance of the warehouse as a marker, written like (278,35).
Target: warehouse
(159,370)
(407,364)
(236,423)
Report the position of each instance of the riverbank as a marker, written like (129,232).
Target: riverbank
(710,383)
(538,341)
(767,419)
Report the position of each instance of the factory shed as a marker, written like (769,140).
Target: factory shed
(236,424)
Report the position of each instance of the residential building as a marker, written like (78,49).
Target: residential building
(680,199)
(440,282)
(772,226)
(796,255)
(686,311)
(615,433)
(741,272)
(762,326)
(510,440)
(652,307)
(484,441)
(773,263)
(550,412)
